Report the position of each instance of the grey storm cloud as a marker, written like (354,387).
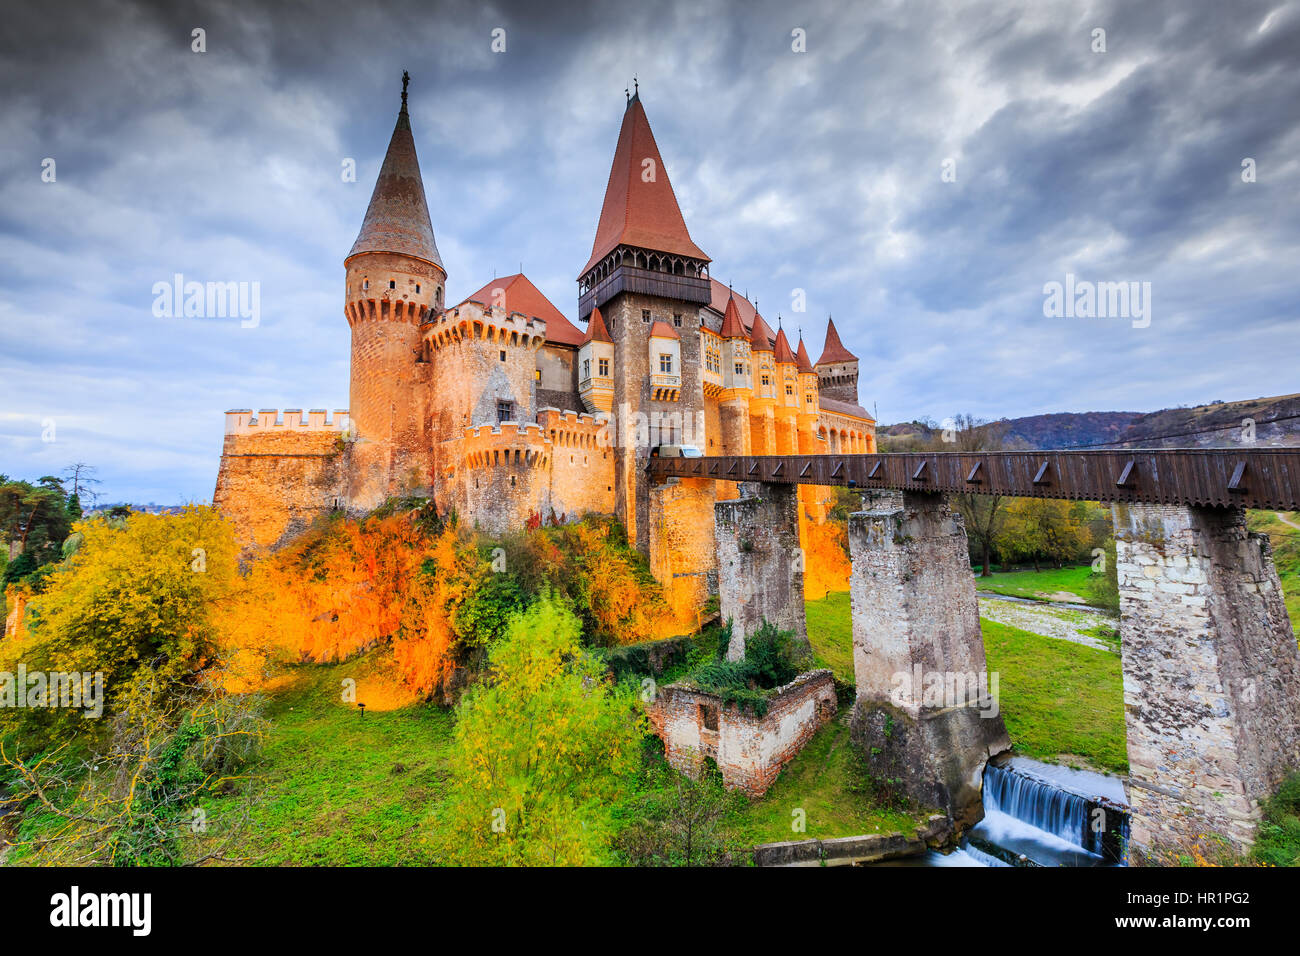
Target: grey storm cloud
(818,171)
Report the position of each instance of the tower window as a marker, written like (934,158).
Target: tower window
(666,363)
(417,287)
(789,389)
(645,315)
(603,366)
(366,284)
(537,375)
(503,355)
(677,319)
(740,369)
(505,411)
(586,368)
(392,283)
(765,380)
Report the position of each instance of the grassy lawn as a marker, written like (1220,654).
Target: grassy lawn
(1060,700)
(1286,556)
(344,789)
(828,782)
(1037,584)
(830,631)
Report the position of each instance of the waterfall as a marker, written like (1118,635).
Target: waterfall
(1040,805)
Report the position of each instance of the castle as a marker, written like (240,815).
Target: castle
(502,409)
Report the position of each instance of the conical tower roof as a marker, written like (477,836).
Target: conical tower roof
(801,358)
(397,219)
(834,350)
(760,336)
(783,354)
(732,327)
(640,209)
(596,331)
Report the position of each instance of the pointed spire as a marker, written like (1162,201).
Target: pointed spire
(834,350)
(732,327)
(760,336)
(397,219)
(783,354)
(596,331)
(801,358)
(640,207)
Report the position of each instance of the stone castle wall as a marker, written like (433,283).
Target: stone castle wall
(278,475)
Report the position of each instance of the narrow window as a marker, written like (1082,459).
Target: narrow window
(503,355)
(666,363)
(586,368)
(645,315)
(740,369)
(417,288)
(366,284)
(604,368)
(504,411)
(392,283)
(677,319)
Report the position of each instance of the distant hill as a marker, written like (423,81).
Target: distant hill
(1218,424)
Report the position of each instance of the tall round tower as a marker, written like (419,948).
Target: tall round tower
(395,281)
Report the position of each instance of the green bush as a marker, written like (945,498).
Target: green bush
(1278,840)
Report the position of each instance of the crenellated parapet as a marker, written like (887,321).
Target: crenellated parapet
(242,421)
(569,429)
(473,321)
(508,444)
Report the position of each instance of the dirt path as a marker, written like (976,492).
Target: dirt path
(1041,617)
(1285,520)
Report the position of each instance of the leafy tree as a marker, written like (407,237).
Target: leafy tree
(541,753)
(142,594)
(983,514)
(678,820)
(34,517)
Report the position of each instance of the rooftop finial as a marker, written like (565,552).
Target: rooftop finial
(627,94)
(636,88)
(406,79)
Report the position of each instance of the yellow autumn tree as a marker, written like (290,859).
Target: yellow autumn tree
(540,754)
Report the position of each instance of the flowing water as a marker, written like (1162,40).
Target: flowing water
(1036,814)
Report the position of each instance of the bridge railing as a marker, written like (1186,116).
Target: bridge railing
(1251,478)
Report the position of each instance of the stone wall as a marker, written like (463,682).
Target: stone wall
(915,628)
(749,751)
(683,555)
(1211,672)
(277,476)
(760,562)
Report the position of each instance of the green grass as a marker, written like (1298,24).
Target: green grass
(1034,584)
(342,789)
(1061,701)
(830,631)
(1286,557)
(827,781)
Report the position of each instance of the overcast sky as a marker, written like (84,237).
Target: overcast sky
(820,170)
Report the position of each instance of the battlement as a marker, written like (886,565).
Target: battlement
(474,320)
(507,443)
(242,421)
(570,429)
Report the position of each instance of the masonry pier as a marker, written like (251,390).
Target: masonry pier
(1211,672)
(926,712)
(760,563)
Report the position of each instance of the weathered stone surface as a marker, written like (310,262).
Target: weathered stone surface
(867,848)
(926,712)
(749,751)
(760,563)
(1211,672)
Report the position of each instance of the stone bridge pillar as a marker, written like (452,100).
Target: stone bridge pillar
(927,710)
(1211,673)
(760,563)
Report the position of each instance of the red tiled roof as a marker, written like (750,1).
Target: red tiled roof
(834,350)
(397,219)
(596,331)
(760,336)
(516,294)
(844,408)
(636,212)
(722,295)
(663,330)
(732,327)
(801,358)
(783,354)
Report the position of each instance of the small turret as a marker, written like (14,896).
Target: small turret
(837,369)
